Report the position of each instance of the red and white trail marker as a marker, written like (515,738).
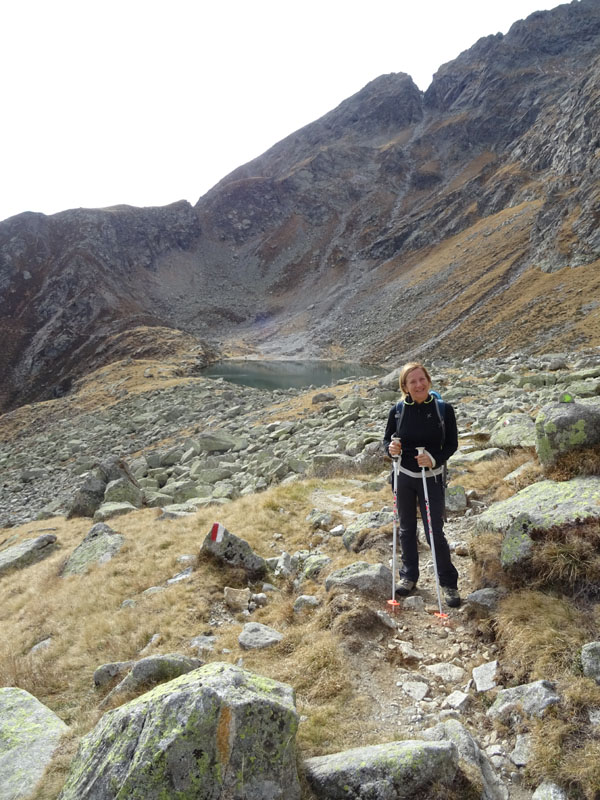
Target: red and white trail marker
(217,531)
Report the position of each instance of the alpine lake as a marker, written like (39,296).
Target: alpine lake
(288,374)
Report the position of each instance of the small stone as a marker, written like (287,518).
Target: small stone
(485,676)
(449,673)
(521,755)
(457,700)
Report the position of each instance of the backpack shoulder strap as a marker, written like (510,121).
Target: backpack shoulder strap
(441,410)
(399,414)
(440,407)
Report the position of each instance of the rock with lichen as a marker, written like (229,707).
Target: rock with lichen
(395,769)
(29,735)
(566,427)
(219,731)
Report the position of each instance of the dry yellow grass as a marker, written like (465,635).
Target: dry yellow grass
(564,747)
(541,634)
(84,616)
(486,476)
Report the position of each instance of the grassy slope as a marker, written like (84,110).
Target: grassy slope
(539,631)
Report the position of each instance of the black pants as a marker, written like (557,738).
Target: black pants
(409,491)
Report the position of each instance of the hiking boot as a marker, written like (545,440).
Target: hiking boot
(451,596)
(404,587)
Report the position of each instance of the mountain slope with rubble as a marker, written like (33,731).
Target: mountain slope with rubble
(459,221)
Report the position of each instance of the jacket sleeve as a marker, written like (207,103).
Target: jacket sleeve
(390,430)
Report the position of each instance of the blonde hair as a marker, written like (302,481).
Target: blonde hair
(404,372)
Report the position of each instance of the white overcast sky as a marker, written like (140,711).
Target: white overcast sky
(145,102)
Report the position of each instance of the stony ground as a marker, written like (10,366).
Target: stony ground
(414,667)
(403,696)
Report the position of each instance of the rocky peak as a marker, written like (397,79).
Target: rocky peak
(450,207)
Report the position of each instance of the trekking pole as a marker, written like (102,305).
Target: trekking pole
(393,602)
(441,614)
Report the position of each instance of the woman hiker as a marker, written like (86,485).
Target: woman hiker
(420,420)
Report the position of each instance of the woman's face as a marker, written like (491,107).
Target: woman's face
(418,385)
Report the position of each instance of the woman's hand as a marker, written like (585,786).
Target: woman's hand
(395,447)
(424,460)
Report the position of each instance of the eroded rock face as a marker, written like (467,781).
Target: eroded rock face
(217,731)
(60,305)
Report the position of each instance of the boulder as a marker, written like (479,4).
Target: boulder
(585,388)
(485,676)
(88,497)
(485,601)
(455,499)
(204,475)
(562,428)
(220,442)
(326,464)
(27,552)
(152,670)
(171,457)
(256,636)
(369,459)
(390,381)
(106,673)
(110,510)
(373,580)
(312,567)
(549,791)
(531,699)
(232,551)
(304,602)
(90,494)
(352,403)
(449,673)
(122,490)
(219,731)
(517,545)
(319,519)
(513,430)
(545,504)
(29,735)
(590,660)
(475,456)
(99,546)
(394,770)
(469,751)
(521,754)
(323,397)
(371,520)
(236,600)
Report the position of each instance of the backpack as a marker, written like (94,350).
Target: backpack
(440,407)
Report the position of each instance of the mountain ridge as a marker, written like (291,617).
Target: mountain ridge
(400,221)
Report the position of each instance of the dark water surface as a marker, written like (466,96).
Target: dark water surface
(287,374)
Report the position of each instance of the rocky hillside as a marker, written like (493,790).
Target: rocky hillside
(461,220)
(108,504)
